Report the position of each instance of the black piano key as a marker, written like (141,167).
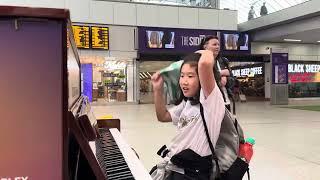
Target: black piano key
(110,157)
(124,178)
(120,168)
(118,175)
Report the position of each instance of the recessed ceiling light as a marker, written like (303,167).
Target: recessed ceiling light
(292,40)
(318,41)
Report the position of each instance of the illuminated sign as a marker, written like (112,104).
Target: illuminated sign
(81,36)
(250,72)
(100,37)
(302,68)
(304,73)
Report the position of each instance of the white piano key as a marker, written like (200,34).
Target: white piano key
(135,165)
(92,145)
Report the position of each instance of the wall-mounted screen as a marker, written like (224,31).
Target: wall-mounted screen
(81,36)
(100,37)
(160,39)
(235,41)
(304,79)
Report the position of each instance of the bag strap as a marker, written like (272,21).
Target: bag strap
(223,95)
(209,141)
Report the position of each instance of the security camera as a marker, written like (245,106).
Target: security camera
(267,48)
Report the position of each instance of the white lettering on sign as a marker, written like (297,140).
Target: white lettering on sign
(247,71)
(290,68)
(302,68)
(15,178)
(236,72)
(192,41)
(312,68)
(299,68)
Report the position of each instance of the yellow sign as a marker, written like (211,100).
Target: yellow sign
(100,37)
(81,36)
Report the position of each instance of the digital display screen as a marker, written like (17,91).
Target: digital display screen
(100,37)
(81,36)
(236,41)
(160,39)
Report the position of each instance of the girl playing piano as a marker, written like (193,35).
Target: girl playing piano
(189,154)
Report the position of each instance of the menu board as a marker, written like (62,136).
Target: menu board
(100,37)
(81,36)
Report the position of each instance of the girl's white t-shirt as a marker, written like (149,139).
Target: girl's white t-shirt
(188,120)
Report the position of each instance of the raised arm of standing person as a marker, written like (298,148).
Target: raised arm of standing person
(162,113)
(205,68)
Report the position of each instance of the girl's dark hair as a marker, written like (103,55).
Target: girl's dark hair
(191,59)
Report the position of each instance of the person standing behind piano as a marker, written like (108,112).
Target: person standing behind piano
(197,85)
(222,71)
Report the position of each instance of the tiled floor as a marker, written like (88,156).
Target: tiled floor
(287,140)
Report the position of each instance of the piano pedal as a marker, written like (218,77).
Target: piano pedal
(135,153)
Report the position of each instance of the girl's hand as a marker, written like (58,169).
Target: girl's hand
(202,52)
(223,81)
(157,82)
(206,53)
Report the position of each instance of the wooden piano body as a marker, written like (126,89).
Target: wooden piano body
(42,131)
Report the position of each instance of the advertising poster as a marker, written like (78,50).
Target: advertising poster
(86,80)
(171,40)
(304,73)
(279,68)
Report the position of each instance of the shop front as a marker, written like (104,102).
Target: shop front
(110,78)
(158,47)
(250,81)
(304,79)
(108,66)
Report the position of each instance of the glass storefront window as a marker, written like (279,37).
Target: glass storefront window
(114,84)
(299,90)
(251,80)
(111,76)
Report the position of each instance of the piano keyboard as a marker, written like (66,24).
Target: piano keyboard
(116,158)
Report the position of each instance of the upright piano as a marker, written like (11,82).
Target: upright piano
(48,129)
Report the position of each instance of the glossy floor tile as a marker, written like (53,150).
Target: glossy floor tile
(287,140)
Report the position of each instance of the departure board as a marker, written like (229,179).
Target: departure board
(81,36)
(100,37)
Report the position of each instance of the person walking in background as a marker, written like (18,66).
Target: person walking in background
(251,14)
(263,10)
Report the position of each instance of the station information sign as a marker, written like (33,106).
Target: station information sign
(81,36)
(100,37)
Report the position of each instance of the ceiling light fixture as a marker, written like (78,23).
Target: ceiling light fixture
(318,41)
(292,40)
